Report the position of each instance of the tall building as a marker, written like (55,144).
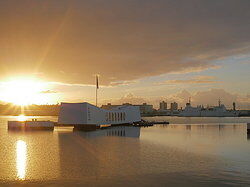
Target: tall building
(174,106)
(163,105)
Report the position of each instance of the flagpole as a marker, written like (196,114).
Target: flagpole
(96,96)
(97,86)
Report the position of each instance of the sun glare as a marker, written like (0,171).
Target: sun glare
(23,92)
(22,118)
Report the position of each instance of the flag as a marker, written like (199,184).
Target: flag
(97,82)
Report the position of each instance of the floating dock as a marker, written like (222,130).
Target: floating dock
(144,123)
(160,122)
(31,125)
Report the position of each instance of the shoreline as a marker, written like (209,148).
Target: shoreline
(143,115)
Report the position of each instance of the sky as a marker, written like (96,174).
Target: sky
(143,50)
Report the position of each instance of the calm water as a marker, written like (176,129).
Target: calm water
(189,152)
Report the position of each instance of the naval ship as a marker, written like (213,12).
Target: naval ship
(216,111)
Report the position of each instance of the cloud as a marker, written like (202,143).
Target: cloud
(212,96)
(69,85)
(128,98)
(194,80)
(70,41)
(196,69)
(122,83)
(48,91)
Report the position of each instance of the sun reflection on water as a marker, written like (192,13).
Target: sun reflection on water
(21,151)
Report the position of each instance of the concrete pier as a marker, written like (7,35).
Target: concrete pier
(31,125)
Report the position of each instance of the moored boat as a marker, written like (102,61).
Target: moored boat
(200,111)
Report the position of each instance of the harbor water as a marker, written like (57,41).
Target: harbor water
(188,152)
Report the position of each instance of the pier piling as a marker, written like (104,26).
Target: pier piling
(248,128)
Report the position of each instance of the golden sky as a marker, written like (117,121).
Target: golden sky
(133,45)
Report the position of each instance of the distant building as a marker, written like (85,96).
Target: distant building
(174,106)
(109,106)
(144,108)
(163,105)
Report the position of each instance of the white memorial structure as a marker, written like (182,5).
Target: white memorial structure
(85,114)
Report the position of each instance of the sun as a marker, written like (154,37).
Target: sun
(23,91)
(22,117)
